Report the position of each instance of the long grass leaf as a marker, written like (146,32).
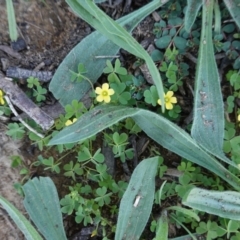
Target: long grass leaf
(155,126)
(233,7)
(208,122)
(12,26)
(22,223)
(193,7)
(224,204)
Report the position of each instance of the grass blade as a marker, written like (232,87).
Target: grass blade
(12,26)
(23,224)
(233,7)
(155,126)
(193,7)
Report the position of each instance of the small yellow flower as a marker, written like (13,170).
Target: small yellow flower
(69,122)
(239,117)
(1,98)
(169,100)
(104,93)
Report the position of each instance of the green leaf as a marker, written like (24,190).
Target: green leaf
(15,131)
(32,81)
(23,224)
(98,157)
(162,228)
(151,96)
(137,201)
(233,7)
(42,204)
(12,26)
(208,122)
(164,132)
(223,204)
(180,43)
(156,55)
(193,7)
(99,1)
(86,51)
(187,212)
(118,69)
(103,198)
(163,42)
(68,204)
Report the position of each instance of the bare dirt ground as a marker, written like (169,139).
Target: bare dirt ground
(9,176)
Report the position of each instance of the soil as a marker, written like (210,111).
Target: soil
(50,30)
(9,176)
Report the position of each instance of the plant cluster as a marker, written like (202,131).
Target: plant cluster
(198,198)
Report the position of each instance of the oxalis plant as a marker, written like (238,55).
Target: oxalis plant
(202,147)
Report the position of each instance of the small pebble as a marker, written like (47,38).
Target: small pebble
(156,16)
(19,45)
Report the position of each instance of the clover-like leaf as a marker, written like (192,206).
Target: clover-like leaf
(151,96)
(15,131)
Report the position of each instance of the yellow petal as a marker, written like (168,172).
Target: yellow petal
(159,102)
(68,122)
(169,106)
(99,98)
(169,94)
(173,100)
(107,99)
(105,86)
(74,120)
(98,90)
(2,101)
(110,92)
(239,117)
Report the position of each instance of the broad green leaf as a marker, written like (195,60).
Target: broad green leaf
(233,7)
(223,204)
(23,224)
(87,51)
(163,42)
(192,10)
(180,43)
(42,204)
(137,201)
(155,126)
(208,122)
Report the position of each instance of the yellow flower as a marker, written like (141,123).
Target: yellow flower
(69,122)
(104,93)
(239,117)
(1,98)
(169,100)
